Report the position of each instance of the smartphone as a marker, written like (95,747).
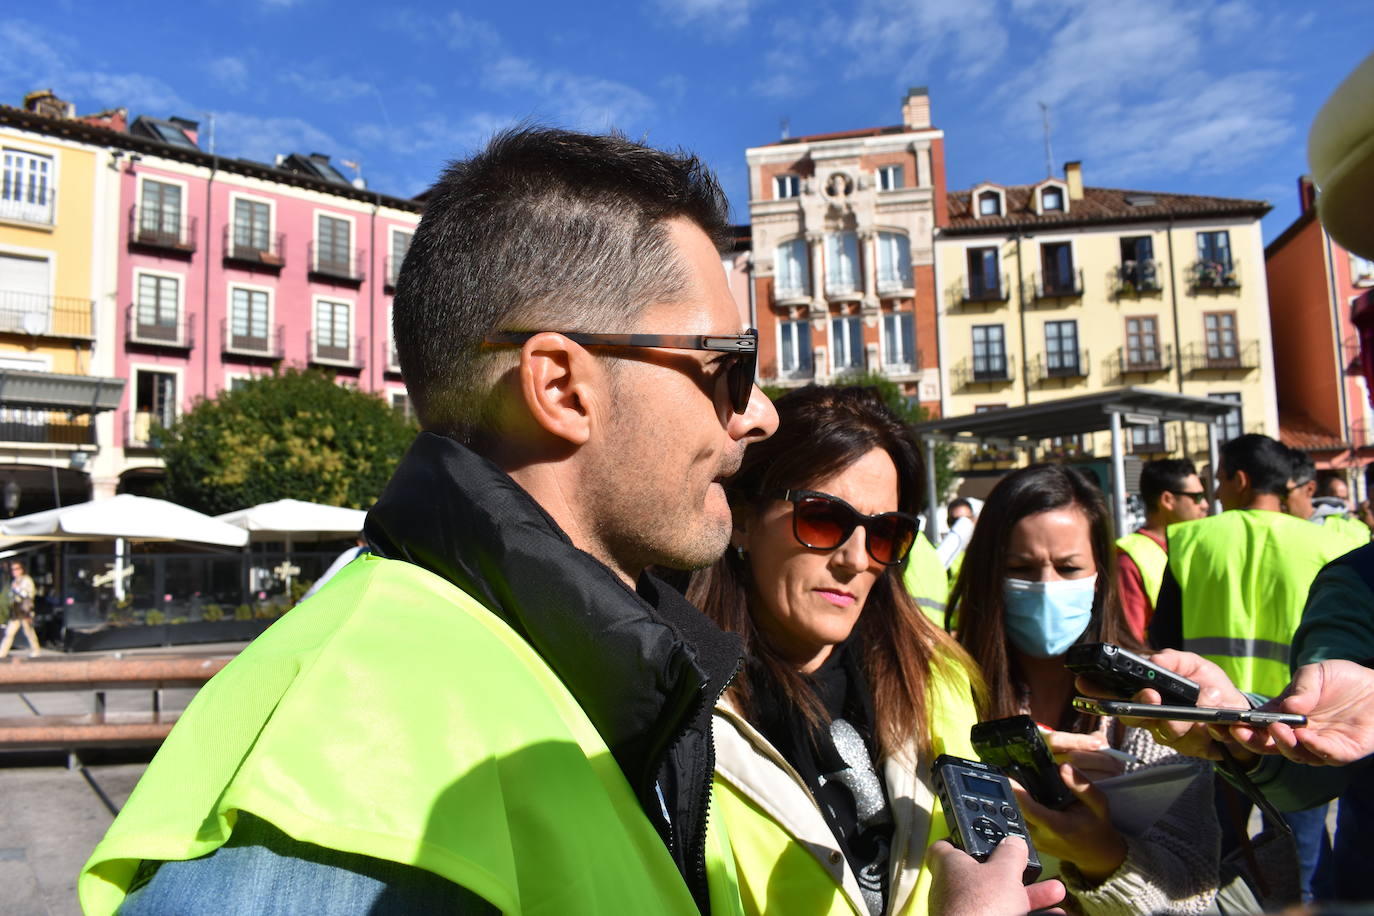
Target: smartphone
(1125,673)
(981,809)
(1016,745)
(1185,713)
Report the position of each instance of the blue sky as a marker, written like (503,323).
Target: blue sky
(1195,96)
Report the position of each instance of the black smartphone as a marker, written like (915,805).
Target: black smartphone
(1016,745)
(1125,673)
(1185,713)
(980,809)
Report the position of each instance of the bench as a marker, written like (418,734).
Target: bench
(99,728)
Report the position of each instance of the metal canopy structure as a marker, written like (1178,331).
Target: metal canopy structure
(1024,427)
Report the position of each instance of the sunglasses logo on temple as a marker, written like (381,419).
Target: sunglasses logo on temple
(824,522)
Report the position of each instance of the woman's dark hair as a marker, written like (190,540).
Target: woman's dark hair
(821,432)
(977,596)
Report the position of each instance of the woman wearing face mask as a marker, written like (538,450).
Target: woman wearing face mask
(825,738)
(1037,579)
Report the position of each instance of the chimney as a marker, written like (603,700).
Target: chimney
(1073,174)
(189,128)
(1307,194)
(46,103)
(116,119)
(916,108)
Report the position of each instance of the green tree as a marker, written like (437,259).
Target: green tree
(908,410)
(295,434)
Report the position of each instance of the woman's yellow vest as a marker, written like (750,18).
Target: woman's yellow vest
(393,716)
(1149,558)
(781,874)
(926,580)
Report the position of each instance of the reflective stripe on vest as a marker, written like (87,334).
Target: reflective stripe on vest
(926,580)
(393,716)
(1149,558)
(1244,576)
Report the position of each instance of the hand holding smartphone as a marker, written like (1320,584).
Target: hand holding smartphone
(1016,745)
(1185,713)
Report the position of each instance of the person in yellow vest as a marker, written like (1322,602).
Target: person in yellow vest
(1037,580)
(1303,501)
(1172,493)
(824,741)
(497,709)
(1331,508)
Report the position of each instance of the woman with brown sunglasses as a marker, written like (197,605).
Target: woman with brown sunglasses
(824,739)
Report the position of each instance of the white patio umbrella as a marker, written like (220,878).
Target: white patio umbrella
(287,518)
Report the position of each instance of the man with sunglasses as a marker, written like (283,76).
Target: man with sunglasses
(1172,493)
(497,708)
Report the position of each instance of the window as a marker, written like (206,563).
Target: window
(841,262)
(26,187)
(159,214)
(157,308)
(1056,260)
(989,352)
(252,229)
(1361,270)
(786,186)
(794,353)
(332,331)
(989,204)
(1142,344)
(1061,348)
(400,402)
(333,254)
(239,382)
(988,408)
(25,294)
(793,272)
(899,342)
(1219,329)
(1051,199)
(400,244)
(1147,438)
(984,282)
(248,321)
(1214,248)
(891,178)
(846,344)
(1229,424)
(1137,263)
(894,262)
(155,403)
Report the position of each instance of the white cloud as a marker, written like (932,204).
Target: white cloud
(263,138)
(322,86)
(712,18)
(229,72)
(472,34)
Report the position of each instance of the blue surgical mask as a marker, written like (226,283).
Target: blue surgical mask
(1045,618)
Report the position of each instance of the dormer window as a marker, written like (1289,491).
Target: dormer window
(786,186)
(989,204)
(890,178)
(1052,200)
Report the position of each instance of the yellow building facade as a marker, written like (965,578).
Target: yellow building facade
(1055,290)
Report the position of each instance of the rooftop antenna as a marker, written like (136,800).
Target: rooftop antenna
(786,127)
(210,118)
(1049,150)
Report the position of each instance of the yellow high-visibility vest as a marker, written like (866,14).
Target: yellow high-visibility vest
(1149,558)
(926,580)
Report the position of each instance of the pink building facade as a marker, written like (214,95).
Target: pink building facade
(228,269)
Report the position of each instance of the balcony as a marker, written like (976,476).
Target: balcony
(176,335)
(912,365)
(254,250)
(1059,285)
(393,272)
(1140,361)
(993,370)
(335,266)
(153,230)
(1134,278)
(38,206)
(1361,434)
(264,345)
(893,283)
(1214,276)
(978,289)
(1071,365)
(45,427)
(1151,441)
(393,359)
(349,355)
(141,430)
(41,315)
(1241,356)
(1350,355)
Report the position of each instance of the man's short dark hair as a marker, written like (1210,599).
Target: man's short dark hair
(1160,477)
(1326,478)
(543,230)
(1265,460)
(959,503)
(1304,468)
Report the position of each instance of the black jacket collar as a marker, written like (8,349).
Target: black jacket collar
(644,665)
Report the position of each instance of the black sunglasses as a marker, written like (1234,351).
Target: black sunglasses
(1198,497)
(824,522)
(740,373)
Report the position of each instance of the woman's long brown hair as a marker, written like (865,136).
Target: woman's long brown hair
(978,599)
(822,431)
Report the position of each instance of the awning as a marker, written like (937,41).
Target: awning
(50,391)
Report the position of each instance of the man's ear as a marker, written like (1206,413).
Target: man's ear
(561,385)
(1242,479)
(1167,501)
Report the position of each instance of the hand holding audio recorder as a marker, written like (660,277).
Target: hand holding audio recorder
(981,809)
(1125,673)
(1016,745)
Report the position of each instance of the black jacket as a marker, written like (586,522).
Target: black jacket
(645,665)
